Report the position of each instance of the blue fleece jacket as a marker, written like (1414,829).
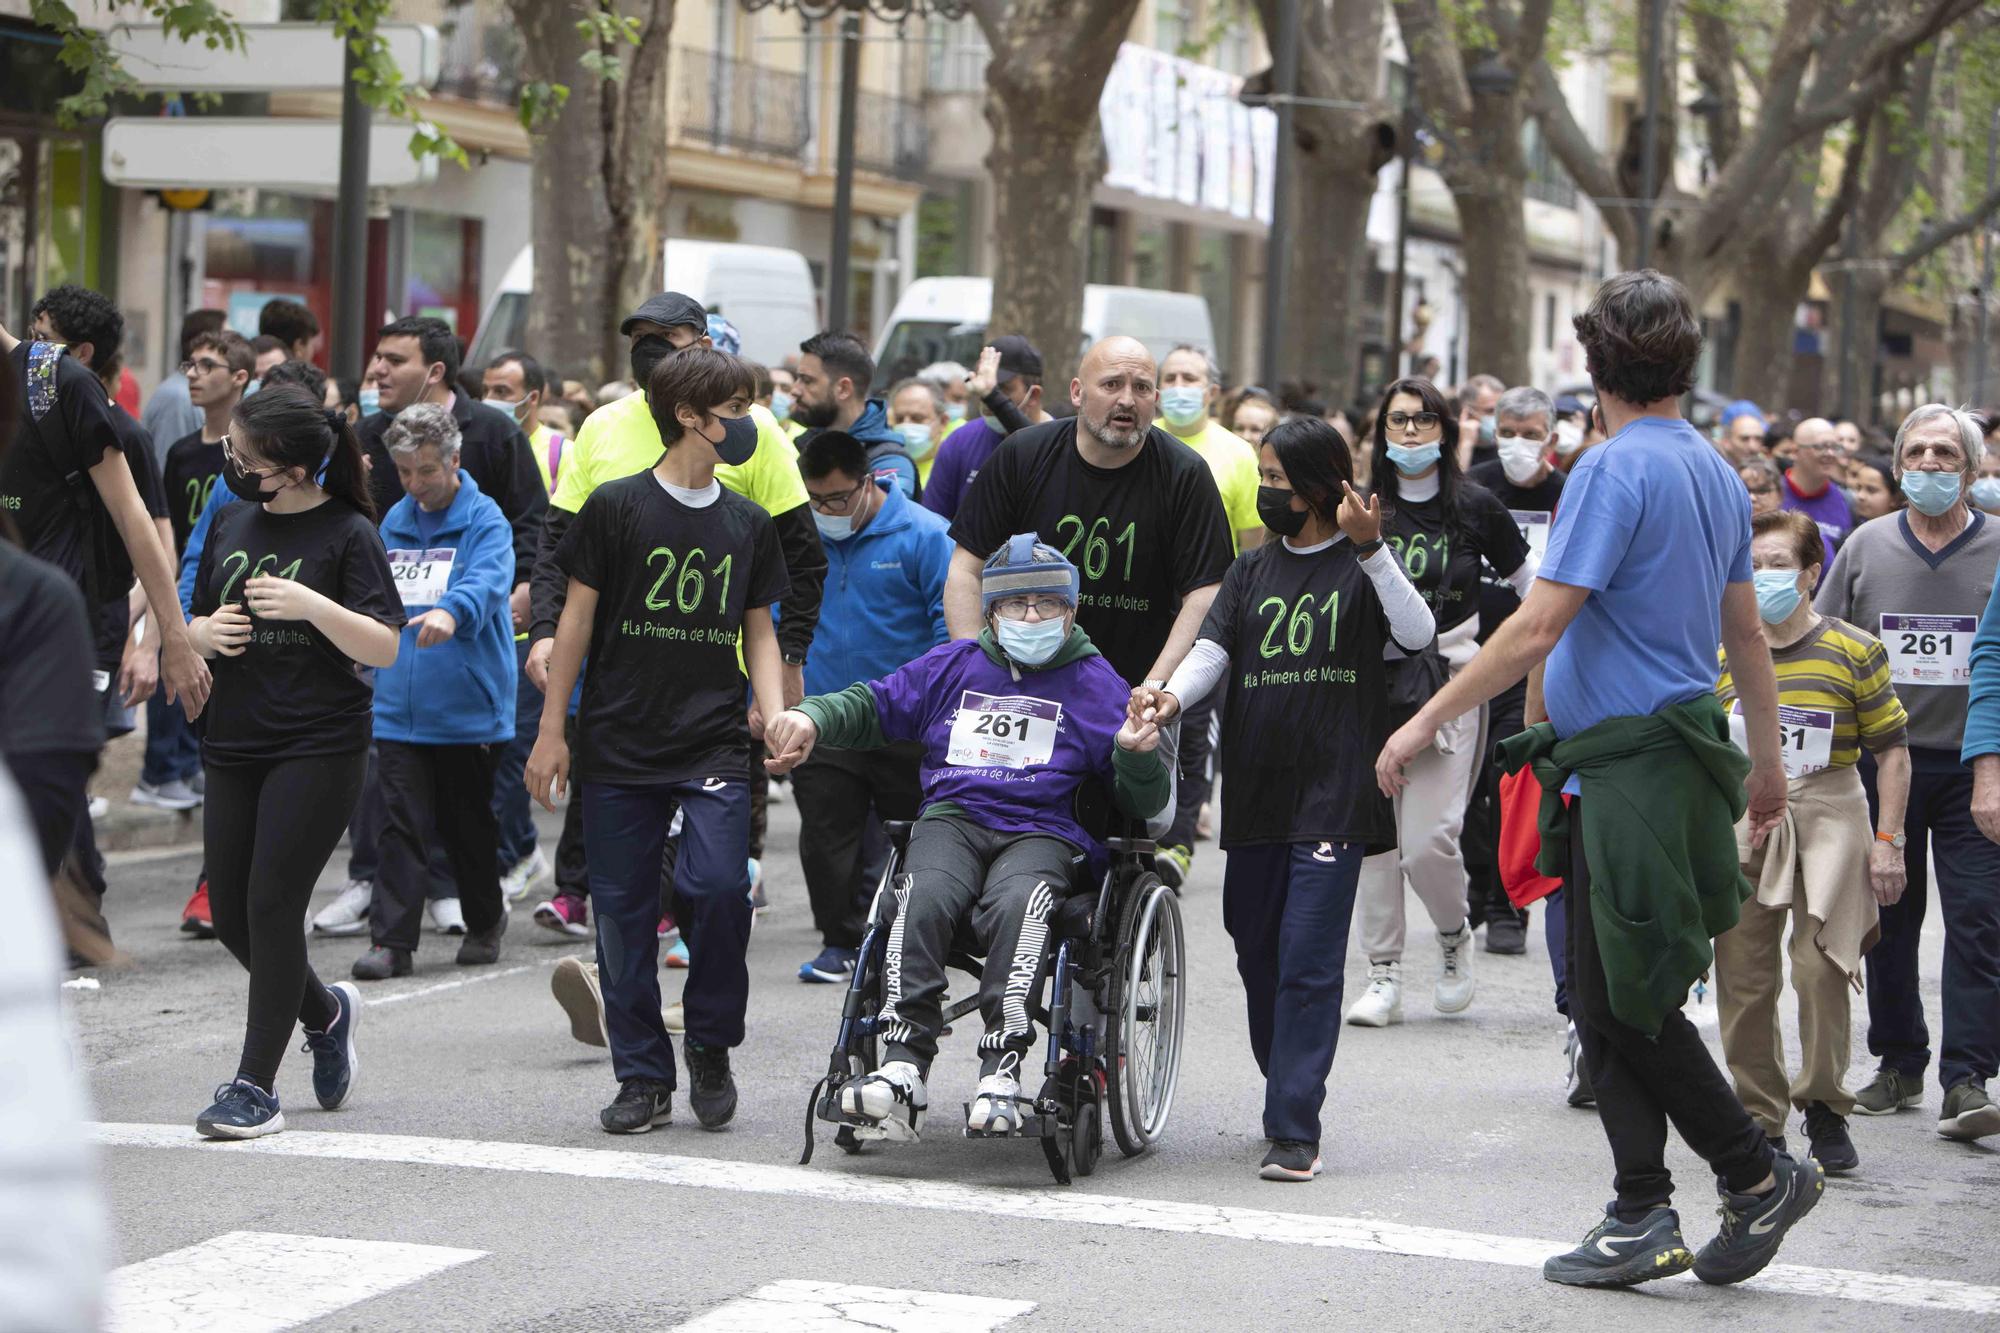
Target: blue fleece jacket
(1982,715)
(884,596)
(218,496)
(461,691)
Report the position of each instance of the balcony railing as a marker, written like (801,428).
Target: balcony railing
(728,103)
(889,136)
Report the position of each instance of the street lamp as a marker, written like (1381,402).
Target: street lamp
(897,12)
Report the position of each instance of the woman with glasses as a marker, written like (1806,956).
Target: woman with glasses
(1761,478)
(292,594)
(1442,527)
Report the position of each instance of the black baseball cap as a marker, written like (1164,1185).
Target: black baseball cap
(1017,357)
(668,310)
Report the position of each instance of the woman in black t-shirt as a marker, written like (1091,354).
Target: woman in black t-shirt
(1300,626)
(1441,526)
(292,595)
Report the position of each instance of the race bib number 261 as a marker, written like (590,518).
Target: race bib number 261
(422,576)
(1929,650)
(1003,731)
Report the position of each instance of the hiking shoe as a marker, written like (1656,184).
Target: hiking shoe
(564,915)
(176,794)
(526,873)
(1454,983)
(713,1095)
(196,919)
(483,947)
(1576,1085)
(641,1103)
(348,913)
(996,1105)
(1290,1159)
(446,916)
(1506,934)
(835,965)
(892,1098)
(1624,1254)
(581,996)
(1754,1224)
(1172,865)
(334,1058)
(1888,1092)
(1831,1147)
(382,962)
(1968,1113)
(242,1110)
(1382,1003)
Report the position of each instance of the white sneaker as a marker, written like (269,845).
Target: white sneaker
(174,795)
(528,872)
(674,1017)
(1382,1003)
(892,1097)
(1454,987)
(347,914)
(996,1106)
(99,807)
(445,917)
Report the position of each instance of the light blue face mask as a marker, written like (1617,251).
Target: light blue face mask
(993,423)
(1986,492)
(1932,492)
(1777,593)
(1413,459)
(954,412)
(370,400)
(781,405)
(834,527)
(1182,404)
(1031,643)
(917,439)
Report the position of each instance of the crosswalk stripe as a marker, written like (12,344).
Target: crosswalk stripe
(837,1307)
(1038,1206)
(262,1281)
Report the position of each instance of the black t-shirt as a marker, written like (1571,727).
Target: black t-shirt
(113,558)
(1142,536)
(190,476)
(1307,708)
(1442,559)
(1534,511)
(48,704)
(291,692)
(65,429)
(663,697)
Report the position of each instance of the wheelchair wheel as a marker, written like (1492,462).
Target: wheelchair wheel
(1146,1013)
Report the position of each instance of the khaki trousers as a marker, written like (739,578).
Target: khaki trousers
(1748,976)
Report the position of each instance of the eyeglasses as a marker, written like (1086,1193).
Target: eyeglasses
(204,365)
(1405,420)
(229,452)
(838,503)
(1017,608)
(1823,447)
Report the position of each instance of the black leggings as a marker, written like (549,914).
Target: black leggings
(268,829)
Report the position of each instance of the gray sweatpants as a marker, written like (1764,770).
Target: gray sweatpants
(1006,886)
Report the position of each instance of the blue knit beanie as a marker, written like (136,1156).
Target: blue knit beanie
(1024,567)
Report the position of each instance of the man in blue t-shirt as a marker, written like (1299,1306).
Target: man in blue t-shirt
(1647,568)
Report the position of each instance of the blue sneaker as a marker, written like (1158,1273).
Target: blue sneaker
(832,965)
(241,1111)
(758,902)
(334,1058)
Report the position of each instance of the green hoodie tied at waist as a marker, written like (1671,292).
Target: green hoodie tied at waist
(1664,793)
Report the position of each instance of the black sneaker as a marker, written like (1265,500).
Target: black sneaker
(713,1094)
(1753,1224)
(1777,1142)
(241,1111)
(1505,934)
(1624,1254)
(1831,1147)
(1888,1092)
(334,1057)
(484,946)
(641,1103)
(1968,1113)
(1290,1159)
(382,962)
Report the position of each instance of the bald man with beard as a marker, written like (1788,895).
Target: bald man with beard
(1136,510)
(1809,483)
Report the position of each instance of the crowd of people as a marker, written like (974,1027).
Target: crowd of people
(1399,652)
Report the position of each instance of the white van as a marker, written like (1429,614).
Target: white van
(767,293)
(944,319)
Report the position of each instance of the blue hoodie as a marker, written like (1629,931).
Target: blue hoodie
(461,691)
(884,596)
(888,453)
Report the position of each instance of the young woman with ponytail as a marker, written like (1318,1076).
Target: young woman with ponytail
(293,593)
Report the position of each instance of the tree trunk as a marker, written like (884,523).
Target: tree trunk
(1493,231)
(1861,348)
(1320,283)
(1764,357)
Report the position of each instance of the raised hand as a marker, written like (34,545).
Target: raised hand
(1360,520)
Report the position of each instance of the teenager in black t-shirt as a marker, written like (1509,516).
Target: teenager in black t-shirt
(293,595)
(669,575)
(1441,526)
(1299,629)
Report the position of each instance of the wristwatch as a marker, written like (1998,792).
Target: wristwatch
(1896,840)
(1366,549)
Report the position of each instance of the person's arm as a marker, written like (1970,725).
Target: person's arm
(480,578)
(1187,626)
(1986,795)
(181,668)
(1536,709)
(1888,872)
(1190,683)
(1757,690)
(1004,411)
(1982,719)
(361,637)
(805,567)
(761,659)
(848,719)
(961,595)
(1412,623)
(1141,784)
(548,763)
(548,589)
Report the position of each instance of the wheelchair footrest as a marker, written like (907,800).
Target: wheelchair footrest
(1039,1123)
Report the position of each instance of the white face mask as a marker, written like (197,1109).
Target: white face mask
(1520,460)
(1569,437)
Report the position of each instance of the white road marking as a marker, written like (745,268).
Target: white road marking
(261,1281)
(1027,1205)
(836,1307)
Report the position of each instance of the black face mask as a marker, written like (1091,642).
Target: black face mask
(243,485)
(1274,506)
(648,352)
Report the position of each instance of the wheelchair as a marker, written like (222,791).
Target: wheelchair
(1113,1008)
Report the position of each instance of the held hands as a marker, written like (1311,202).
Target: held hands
(273,598)
(1766,787)
(548,767)
(983,380)
(225,633)
(1410,740)
(1137,735)
(434,627)
(1888,876)
(789,737)
(1150,704)
(1360,519)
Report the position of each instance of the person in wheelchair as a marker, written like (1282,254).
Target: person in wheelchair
(1012,724)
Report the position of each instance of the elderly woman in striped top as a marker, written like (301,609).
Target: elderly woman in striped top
(1825,868)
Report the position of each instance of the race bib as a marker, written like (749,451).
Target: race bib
(1002,731)
(1534,526)
(421,576)
(1805,737)
(1929,650)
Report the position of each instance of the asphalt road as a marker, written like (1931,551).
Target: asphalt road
(467,1186)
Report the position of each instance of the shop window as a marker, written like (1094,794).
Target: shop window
(441,272)
(259,245)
